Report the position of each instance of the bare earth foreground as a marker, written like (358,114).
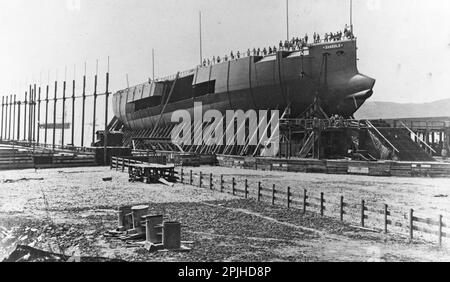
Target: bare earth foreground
(69,210)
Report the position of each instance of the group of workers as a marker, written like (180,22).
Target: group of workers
(338,121)
(294,44)
(330,37)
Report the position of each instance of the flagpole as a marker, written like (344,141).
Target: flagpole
(201,43)
(153,64)
(351,17)
(287,18)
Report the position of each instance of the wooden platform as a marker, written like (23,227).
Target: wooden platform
(378,168)
(18,157)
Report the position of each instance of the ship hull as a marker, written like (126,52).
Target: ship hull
(284,79)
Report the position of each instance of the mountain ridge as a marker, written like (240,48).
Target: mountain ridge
(392,110)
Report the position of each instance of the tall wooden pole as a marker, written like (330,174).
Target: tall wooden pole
(39,117)
(25,118)
(8,119)
(14,119)
(73,112)
(30,98)
(10,116)
(34,113)
(5,128)
(3,113)
(54,115)
(18,120)
(30,113)
(63,117)
(83,109)
(46,113)
(106,119)
(95,106)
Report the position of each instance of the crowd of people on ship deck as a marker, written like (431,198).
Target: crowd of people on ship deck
(295,44)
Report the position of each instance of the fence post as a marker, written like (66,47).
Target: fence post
(190,178)
(123,164)
(363,205)
(289,197)
(210,181)
(440,230)
(259,192)
(411,224)
(321,204)
(221,183)
(386,213)
(112,159)
(246,188)
(200,180)
(273,194)
(342,209)
(305,198)
(182,176)
(233,187)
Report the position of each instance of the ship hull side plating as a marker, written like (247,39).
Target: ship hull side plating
(328,71)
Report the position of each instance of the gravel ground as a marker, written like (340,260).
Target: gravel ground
(429,197)
(69,210)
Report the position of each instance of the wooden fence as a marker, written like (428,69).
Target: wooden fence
(387,218)
(123,163)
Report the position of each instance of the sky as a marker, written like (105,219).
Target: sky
(404,44)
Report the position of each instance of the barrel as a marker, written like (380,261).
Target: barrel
(154,228)
(138,212)
(124,219)
(172,235)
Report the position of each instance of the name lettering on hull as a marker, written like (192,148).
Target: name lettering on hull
(333,46)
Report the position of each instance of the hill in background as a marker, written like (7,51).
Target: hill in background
(388,110)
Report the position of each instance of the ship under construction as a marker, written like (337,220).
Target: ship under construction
(317,89)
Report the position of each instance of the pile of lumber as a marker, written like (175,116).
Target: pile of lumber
(15,159)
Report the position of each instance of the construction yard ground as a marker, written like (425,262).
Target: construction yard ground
(69,211)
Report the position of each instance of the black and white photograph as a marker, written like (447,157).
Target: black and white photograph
(243,133)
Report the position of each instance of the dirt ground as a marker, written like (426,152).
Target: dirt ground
(429,197)
(69,211)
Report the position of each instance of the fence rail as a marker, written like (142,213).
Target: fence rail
(385,217)
(123,163)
